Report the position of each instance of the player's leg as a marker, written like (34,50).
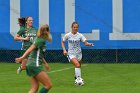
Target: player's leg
(34,85)
(22,66)
(77,67)
(75,59)
(45,80)
(23,63)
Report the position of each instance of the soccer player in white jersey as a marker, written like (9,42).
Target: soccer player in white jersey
(74,53)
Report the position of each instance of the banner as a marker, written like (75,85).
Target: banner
(109,24)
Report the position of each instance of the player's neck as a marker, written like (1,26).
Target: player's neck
(29,27)
(74,32)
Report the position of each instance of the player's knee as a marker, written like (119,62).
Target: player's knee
(77,65)
(48,86)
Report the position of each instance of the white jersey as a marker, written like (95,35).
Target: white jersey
(74,42)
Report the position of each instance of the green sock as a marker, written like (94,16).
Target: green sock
(43,90)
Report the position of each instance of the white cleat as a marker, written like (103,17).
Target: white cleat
(19,70)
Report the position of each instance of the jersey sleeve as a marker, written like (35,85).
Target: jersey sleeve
(21,30)
(83,39)
(65,37)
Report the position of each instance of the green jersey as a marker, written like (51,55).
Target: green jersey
(24,32)
(36,56)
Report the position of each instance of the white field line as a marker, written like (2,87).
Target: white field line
(64,69)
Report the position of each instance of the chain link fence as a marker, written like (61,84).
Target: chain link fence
(89,56)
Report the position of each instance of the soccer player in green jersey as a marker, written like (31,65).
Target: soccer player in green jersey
(34,66)
(26,34)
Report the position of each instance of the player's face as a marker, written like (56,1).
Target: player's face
(29,22)
(75,28)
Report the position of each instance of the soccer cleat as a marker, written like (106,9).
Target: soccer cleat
(75,78)
(19,70)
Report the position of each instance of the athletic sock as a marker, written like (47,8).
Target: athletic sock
(77,72)
(43,90)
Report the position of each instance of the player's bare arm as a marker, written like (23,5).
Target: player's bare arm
(18,38)
(46,64)
(64,49)
(88,44)
(31,48)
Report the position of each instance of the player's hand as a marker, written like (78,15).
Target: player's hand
(27,38)
(65,53)
(49,37)
(18,60)
(91,44)
(88,44)
(47,68)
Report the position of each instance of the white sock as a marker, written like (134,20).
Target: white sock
(78,72)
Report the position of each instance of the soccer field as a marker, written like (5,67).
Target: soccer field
(99,78)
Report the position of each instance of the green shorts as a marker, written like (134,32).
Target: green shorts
(33,70)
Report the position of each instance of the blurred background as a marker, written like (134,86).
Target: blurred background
(112,25)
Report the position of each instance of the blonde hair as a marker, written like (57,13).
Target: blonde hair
(43,31)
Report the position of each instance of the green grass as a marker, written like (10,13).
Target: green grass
(99,78)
